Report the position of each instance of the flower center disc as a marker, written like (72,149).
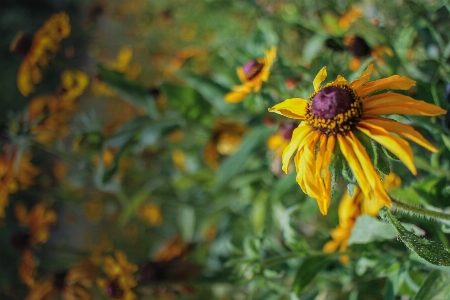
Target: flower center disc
(334,109)
(252,68)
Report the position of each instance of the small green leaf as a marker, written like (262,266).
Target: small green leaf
(312,47)
(433,252)
(307,271)
(435,287)
(368,229)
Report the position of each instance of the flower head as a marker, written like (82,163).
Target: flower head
(350,208)
(44,45)
(252,75)
(120,279)
(359,48)
(338,119)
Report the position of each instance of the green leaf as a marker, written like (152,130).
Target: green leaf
(186,221)
(283,186)
(188,102)
(433,252)
(210,90)
(312,47)
(307,271)
(435,287)
(130,90)
(369,229)
(235,163)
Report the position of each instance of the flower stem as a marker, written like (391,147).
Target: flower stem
(423,212)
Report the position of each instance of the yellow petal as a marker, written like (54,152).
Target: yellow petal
(363,78)
(320,77)
(396,145)
(297,137)
(241,74)
(354,164)
(394,82)
(270,56)
(340,80)
(416,108)
(402,129)
(371,174)
(238,94)
(294,108)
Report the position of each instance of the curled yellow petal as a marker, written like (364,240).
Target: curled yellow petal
(394,82)
(294,108)
(396,145)
(320,77)
(297,137)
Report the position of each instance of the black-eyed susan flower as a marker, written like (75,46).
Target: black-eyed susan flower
(120,279)
(252,75)
(350,208)
(335,118)
(44,45)
(359,49)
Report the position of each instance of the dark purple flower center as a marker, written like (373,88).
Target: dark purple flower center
(21,44)
(252,68)
(287,129)
(331,101)
(59,280)
(21,240)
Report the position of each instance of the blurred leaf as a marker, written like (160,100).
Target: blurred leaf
(186,221)
(131,91)
(283,185)
(431,251)
(312,47)
(307,271)
(188,102)
(210,90)
(435,287)
(235,163)
(369,229)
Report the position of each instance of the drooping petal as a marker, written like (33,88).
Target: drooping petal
(363,78)
(394,82)
(294,108)
(371,174)
(320,77)
(297,136)
(238,94)
(416,108)
(396,145)
(404,130)
(354,164)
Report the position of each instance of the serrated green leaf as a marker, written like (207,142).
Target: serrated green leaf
(435,287)
(130,90)
(307,271)
(235,163)
(433,252)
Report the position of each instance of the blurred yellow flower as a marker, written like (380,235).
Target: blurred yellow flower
(225,140)
(120,278)
(334,115)
(44,45)
(27,268)
(350,208)
(252,75)
(179,159)
(350,17)
(151,214)
(49,114)
(175,248)
(38,220)
(74,283)
(16,172)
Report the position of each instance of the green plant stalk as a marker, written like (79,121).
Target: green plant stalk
(423,212)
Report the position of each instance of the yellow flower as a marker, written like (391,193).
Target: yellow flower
(27,268)
(335,115)
(151,214)
(225,140)
(49,115)
(16,172)
(72,284)
(38,220)
(350,208)
(350,17)
(120,279)
(179,159)
(358,47)
(252,75)
(175,248)
(43,47)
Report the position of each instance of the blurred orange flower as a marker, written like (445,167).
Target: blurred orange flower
(38,220)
